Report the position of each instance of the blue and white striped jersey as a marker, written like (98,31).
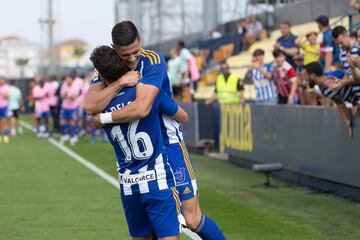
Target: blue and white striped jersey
(155,73)
(142,163)
(152,67)
(349,94)
(264,88)
(355,51)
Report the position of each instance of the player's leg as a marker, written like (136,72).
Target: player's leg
(73,126)
(139,225)
(64,127)
(164,210)
(196,221)
(6,138)
(46,116)
(17,121)
(12,122)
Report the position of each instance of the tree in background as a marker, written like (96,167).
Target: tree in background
(21,64)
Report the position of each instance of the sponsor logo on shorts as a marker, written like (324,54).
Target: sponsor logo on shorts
(137,178)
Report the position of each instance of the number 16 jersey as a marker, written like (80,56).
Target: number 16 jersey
(141,160)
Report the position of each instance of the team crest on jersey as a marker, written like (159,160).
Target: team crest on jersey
(180,175)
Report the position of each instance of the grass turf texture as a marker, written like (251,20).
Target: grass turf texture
(47,195)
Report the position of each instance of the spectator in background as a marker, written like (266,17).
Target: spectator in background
(285,79)
(310,47)
(255,28)
(190,69)
(354,4)
(247,37)
(174,73)
(351,94)
(215,34)
(350,51)
(329,51)
(15,105)
(261,75)
(305,92)
(286,43)
(242,27)
(228,87)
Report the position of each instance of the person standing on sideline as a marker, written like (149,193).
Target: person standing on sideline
(15,105)
(4,102)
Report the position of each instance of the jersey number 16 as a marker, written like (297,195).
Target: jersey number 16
(132,147)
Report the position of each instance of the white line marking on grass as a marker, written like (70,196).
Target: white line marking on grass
(110,179)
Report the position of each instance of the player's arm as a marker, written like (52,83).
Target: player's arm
(100,95)
(140,108)
(146,91)
(345,115)
(171,108)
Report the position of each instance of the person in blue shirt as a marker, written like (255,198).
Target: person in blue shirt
(286,42)
(146,181)
(329,50)
(152,68)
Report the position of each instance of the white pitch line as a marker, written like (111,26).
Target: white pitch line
(110,179)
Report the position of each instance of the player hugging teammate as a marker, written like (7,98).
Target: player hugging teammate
(142,123)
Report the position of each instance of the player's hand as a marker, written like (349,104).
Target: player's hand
(255,65)
(130,79)
(96,120)
(334,84)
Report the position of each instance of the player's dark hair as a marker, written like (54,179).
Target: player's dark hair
(108,63)
(258,52)
(124,33)
(277,53)
(314,68)
(337,31)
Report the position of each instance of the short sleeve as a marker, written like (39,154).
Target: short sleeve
(154,70)
(167,105)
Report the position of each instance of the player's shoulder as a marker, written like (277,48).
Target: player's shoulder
(152,57)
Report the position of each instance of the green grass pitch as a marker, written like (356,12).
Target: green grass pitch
(45,194)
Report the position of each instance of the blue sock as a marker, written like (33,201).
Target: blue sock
(209,230)
(73,131)
(6,132)
(64,129)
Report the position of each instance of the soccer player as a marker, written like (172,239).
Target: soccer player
(15,105)
(42,108)
(147,185)
(70,92)
(4,123)
(351,94)
(52,85)
(152,68)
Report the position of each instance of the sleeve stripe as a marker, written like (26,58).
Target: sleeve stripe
(155,55)
(149,57)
